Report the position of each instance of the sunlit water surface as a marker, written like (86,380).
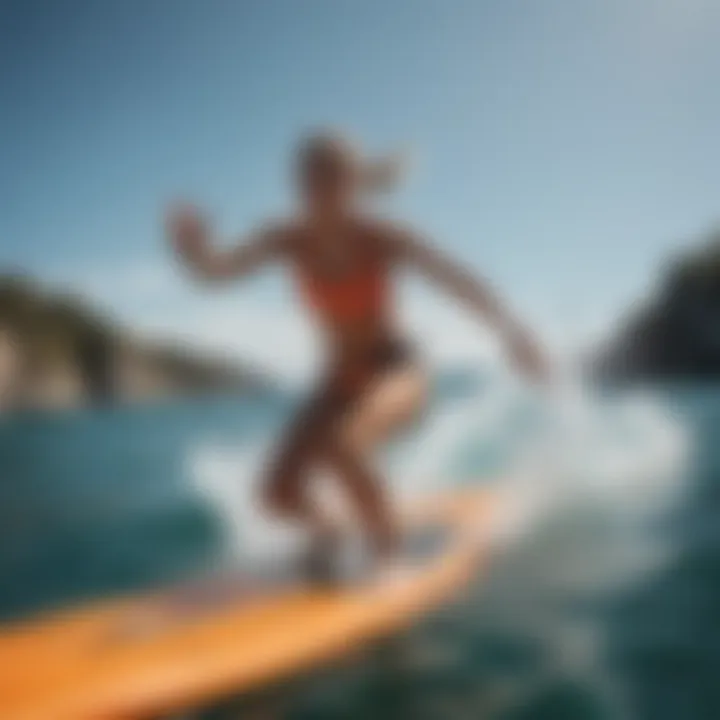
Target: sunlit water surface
(600,601)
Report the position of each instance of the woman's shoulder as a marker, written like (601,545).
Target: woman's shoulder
(387,234)
(380,229)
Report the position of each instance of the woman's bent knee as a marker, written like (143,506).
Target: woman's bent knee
(280,494)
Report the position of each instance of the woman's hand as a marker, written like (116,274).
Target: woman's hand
(189,234)
(187,231)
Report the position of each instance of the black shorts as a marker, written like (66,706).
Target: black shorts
(393,354)
(345,385)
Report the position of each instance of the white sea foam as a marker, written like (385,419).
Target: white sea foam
(622,457)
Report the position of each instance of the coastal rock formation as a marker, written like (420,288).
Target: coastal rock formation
(56,351)
(676,333)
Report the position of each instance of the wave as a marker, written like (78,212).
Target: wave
(545,452)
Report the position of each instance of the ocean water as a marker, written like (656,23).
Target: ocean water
(601,600)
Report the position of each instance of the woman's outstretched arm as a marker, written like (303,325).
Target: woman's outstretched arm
(473,292)
(190,236)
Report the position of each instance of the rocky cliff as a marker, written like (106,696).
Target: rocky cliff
(675,334)
(56,350)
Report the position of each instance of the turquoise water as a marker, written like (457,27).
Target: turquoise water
(601,601)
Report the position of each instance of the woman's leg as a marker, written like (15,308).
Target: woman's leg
(323,434)
(286,485)
(388,405)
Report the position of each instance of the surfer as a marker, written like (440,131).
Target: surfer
(343,256)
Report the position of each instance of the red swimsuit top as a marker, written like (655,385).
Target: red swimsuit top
(358,296)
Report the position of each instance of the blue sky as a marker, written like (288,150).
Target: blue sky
(562,146)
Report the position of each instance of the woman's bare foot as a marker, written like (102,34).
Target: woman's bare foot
(323,561)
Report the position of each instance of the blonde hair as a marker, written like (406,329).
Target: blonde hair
(332,149)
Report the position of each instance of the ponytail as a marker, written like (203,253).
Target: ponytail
(383,174)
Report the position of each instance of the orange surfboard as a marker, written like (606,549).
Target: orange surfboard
(144,655)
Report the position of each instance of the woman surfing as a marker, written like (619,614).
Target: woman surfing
(343,257)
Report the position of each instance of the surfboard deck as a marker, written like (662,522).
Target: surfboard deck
(156,653)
